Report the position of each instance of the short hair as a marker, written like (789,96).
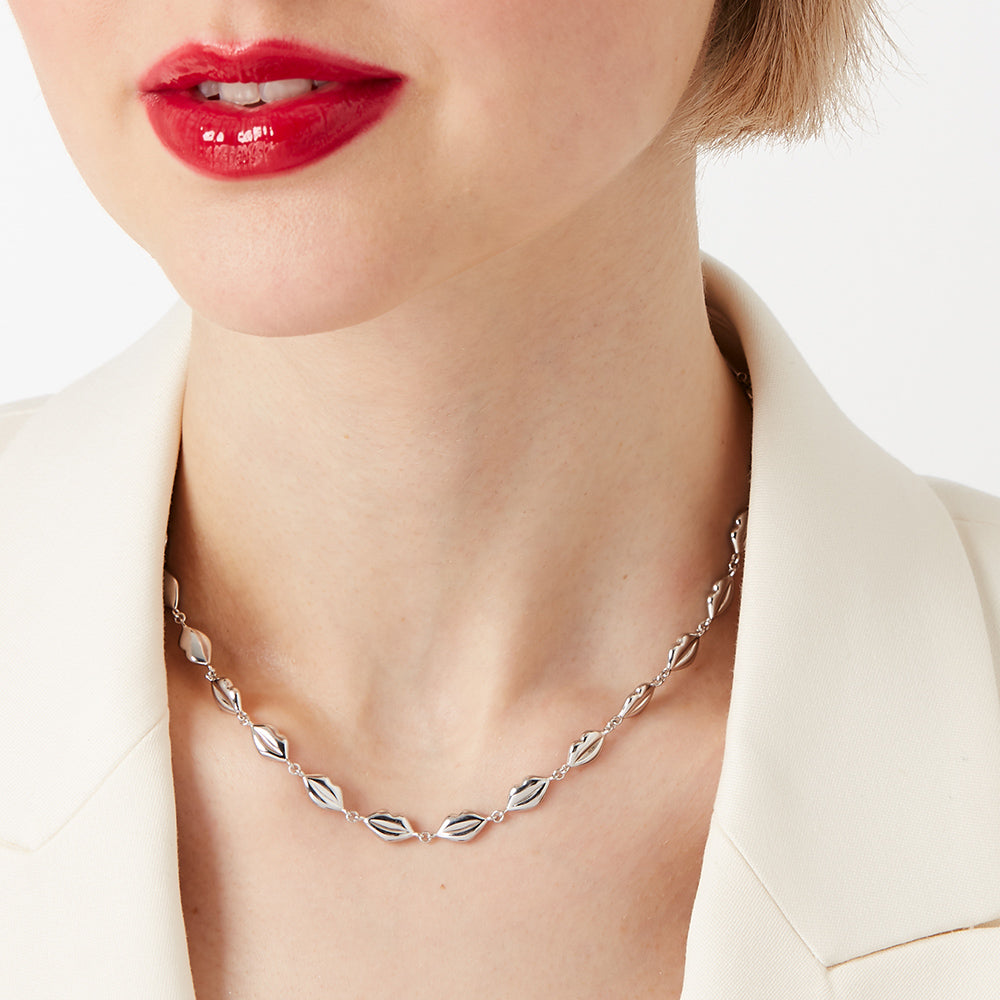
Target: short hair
(780,69)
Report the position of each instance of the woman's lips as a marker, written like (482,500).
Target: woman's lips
(233,140)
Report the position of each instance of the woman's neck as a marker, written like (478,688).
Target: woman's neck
(521,477)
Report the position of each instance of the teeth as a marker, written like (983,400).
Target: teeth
(239,93)
(280,90)
(246,94)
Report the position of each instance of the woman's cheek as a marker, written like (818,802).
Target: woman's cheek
(79,55)
(589,80)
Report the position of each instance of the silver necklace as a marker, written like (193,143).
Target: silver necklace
(462,826)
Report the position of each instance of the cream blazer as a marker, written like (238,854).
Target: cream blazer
(854,849)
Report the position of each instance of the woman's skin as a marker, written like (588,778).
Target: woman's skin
(450,530)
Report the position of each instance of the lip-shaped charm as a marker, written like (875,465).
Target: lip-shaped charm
(290,105)
(196,645)
(527,794)
(389,827)
(585,749)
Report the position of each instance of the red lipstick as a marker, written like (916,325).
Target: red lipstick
(225,139)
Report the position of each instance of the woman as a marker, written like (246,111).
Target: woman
(465,439)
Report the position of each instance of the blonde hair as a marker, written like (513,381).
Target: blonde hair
(780,69)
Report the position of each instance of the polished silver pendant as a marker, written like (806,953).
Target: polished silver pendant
(270,743)
(585,749)
(389,827)
(738,536)
(323,792)
(636,701)
(683,653)
(719,598)
(171,592)
(227,696)
(462,827)
(528,794)
(196,645)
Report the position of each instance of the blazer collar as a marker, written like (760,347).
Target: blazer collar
(85,491)
(861,778)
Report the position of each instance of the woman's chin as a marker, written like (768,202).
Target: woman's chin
(276,304)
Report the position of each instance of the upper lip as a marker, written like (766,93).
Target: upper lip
(255,62)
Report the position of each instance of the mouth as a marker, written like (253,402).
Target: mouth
(261,109)
(255,95)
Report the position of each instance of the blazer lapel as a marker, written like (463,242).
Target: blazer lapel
(86,801)
(861,780)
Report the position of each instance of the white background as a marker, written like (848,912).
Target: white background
(878,252)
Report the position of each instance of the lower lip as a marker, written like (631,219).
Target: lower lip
(225,140)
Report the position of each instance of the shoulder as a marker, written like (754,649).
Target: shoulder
(13,415)
(976,517)
(967,504)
